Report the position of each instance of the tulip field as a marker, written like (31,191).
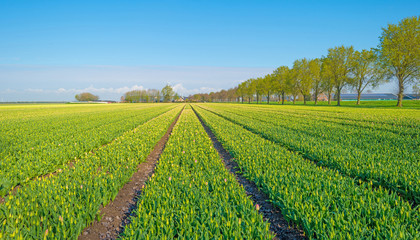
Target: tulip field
(333,172)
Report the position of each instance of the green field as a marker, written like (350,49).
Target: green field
(349,172)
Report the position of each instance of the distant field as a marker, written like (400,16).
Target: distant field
(365,104)
(350,172)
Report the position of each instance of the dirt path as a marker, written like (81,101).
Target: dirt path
(117,213)
(278,224)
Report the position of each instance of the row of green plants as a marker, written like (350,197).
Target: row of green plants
(325,203)
(62,205)
(192,196)
(44,144)
(387,159)
(405,122)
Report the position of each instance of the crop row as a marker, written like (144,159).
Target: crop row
(61,206)
(54,142)
(325,203)
(390,119)
(400,123)
(382,157)
(192,195)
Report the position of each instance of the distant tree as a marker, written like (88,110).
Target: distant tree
(365,71)
(250,89)
(267,85)
(293,83)
(86,97)
(176,96)
(399,52)
(280,76)
(339,67)
(416,89)
(167,93)
(241,91)
(315,74)
(303,77)
(327,83)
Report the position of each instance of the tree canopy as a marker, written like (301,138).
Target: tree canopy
(86,97)
(167,93)
(399,52)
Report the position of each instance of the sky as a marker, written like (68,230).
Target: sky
(52,50)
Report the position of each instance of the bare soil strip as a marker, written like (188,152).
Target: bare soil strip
(117,213)
(278,224)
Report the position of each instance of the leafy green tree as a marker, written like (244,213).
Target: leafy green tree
(86,97)
(240,91)
(399,52)
(327,83)
(267,86)
(292,83)
(416,89)
(167,93)
(339,66)
(315,75)
(365,71)
(280,76)
(303,77)
(250,89)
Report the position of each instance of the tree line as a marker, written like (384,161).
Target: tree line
(167,94)
(396,57)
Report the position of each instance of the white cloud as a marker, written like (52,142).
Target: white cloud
(181,90)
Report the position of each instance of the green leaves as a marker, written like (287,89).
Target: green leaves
(192,195)
(69,201)
(325,203)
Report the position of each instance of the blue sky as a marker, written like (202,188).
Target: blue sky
(50,50)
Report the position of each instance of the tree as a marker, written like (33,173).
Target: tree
(167,93)
(303,77)
(327,83)
(241,91)
(315,74)
(280,76)
(250,89)
(258,87)
(267,85)
(86,97)
(365,71)
(293,83)
(399,52)
(339,67)
(416,89)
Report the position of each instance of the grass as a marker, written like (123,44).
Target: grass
(412,104)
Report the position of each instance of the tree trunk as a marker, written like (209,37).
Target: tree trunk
(282,98)
(249,100)
(242,99)
(268,98)
(257,98)
(358,97)
(400,92)
(294,99)
(304,100)
(329,98)
(338,97)
(316,97)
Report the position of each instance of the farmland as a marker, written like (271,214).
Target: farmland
(329,172)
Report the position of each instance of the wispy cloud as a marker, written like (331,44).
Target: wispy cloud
(90,89)
(61,83)
(180,89)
